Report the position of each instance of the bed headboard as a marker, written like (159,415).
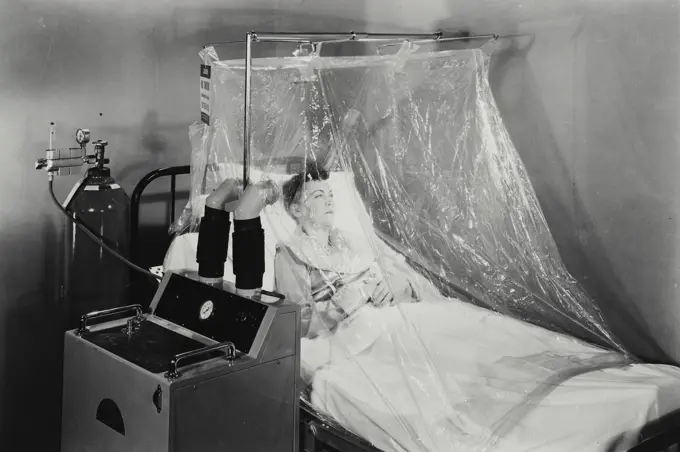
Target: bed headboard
(172,172)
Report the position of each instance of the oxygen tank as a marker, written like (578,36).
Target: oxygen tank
(94,279)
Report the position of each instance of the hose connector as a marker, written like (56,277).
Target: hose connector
(255,198)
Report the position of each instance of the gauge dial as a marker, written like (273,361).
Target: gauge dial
(206,310)
(83,136)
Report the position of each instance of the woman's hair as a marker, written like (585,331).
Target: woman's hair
(293,187)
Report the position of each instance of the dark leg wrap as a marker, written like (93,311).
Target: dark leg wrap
(213,243)
(248,253)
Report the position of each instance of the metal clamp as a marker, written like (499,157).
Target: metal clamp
(93,315)
(62,161)
(173,373)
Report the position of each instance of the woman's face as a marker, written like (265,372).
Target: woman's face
(315,205)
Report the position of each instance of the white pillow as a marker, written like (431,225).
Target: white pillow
(351,216)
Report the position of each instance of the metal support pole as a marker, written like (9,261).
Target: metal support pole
(246,110)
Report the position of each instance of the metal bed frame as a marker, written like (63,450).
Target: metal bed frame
(319,435)
(172,172)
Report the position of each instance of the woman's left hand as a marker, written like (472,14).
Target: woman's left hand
(382,294)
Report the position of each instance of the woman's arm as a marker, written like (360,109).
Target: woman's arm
(292,279)
(354,295)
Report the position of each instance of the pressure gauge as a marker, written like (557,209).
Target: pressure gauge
(206,310)
(82,136)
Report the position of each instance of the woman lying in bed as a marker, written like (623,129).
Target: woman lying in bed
(330,272)
(448,372)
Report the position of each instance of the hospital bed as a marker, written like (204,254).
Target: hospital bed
(324,434)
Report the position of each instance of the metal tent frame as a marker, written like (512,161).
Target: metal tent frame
(314,39)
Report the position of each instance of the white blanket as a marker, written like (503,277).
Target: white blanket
(448,392)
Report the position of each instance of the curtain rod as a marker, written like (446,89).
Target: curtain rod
(311,38)
(351,36)
(492,37)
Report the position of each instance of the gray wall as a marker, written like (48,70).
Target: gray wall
(592,107)
(588,89)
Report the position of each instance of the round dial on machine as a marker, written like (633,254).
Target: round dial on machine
(82,136)
(206,310)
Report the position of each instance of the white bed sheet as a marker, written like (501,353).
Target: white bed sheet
(586,414)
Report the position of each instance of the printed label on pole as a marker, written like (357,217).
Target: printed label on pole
(205,93)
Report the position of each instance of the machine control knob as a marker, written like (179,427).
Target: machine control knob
(133,325)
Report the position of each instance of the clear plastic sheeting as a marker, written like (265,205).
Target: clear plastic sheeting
(410,233)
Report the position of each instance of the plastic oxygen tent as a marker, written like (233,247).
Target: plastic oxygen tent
(431,197)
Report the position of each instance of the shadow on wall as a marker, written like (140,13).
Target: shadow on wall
(156,145)
(555,185)
(33,352)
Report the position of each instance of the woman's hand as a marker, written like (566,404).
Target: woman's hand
(382,294)
(319,317)
(353,296)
